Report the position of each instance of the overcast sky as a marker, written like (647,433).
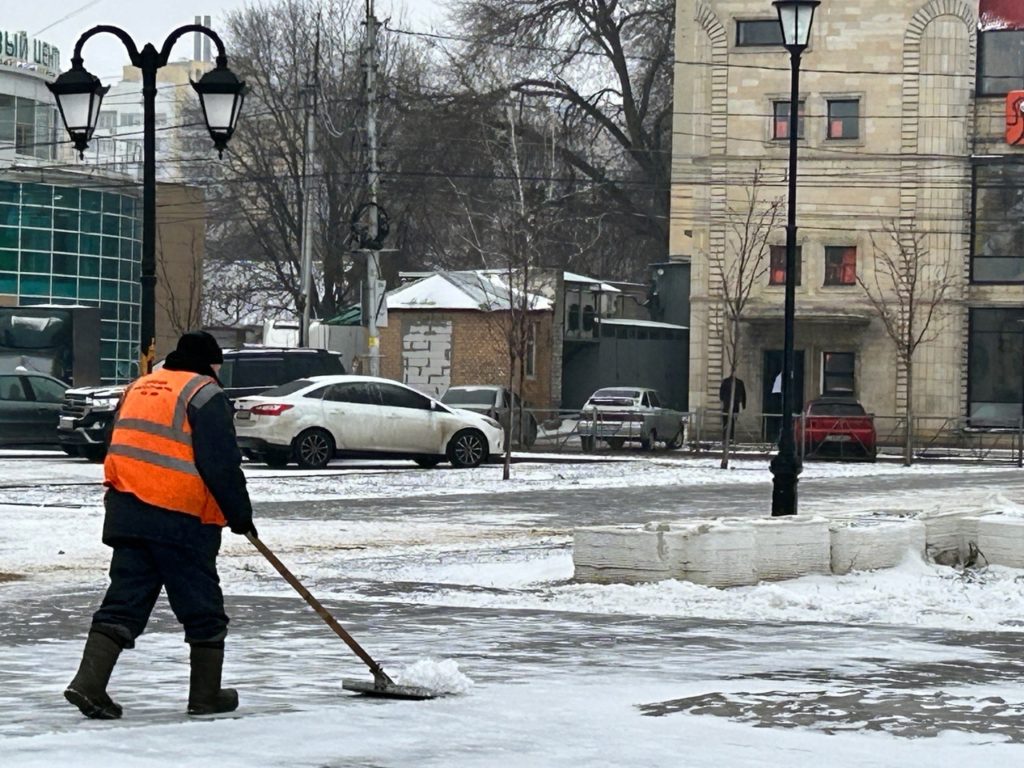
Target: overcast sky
(60,22)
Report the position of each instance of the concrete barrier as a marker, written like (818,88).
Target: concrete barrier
(1000,539)
(868,544)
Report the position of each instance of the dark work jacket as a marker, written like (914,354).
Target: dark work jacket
(740,400)
(219,463)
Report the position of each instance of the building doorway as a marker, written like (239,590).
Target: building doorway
(771,401)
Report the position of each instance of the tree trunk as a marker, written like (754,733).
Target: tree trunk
(908,437)
(727,421)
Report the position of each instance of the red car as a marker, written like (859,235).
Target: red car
(838,426)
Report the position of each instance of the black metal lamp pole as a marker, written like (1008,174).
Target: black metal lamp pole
(795,19)
(79,95)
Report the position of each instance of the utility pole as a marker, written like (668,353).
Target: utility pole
(373,181)
(307,192)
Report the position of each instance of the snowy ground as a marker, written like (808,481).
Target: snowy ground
(916,666)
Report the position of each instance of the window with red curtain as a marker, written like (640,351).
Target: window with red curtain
(777,265)
(840,265)
(780,120)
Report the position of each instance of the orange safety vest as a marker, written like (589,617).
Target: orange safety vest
(150,454)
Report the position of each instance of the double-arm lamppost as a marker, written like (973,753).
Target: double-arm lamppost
(795,18)
(79,95)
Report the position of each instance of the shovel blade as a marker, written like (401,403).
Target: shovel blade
(388,690)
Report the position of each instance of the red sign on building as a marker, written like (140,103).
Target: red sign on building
(1015,117)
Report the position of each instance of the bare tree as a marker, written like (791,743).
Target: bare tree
(180,294)
(739,271)
(907,293)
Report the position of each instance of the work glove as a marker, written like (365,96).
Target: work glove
(243,528)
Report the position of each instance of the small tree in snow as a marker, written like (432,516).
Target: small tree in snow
(739,271)
(907,292)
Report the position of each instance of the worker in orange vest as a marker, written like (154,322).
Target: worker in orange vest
(174,479)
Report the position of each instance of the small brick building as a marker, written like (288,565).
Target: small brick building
(449,329)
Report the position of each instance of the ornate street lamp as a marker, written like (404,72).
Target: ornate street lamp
(795,18)
(79,95)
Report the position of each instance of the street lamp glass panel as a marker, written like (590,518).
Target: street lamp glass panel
(79,96)
(795,18)
(221,95)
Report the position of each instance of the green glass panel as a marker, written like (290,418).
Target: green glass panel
(108,371)
(8,283)
(65,219)
(109,268)
(124,292)
(34,261)
(38,285)
(124,312)
(8,237)
(88,288)
(111,224)
(9,214)
(127,205)
(111,203)
(108,290)
(89,266)
(90,244)
(92,200)
(109,247)
(66,197)
(137,252)
(91,222)
(8,259)
(65,287)
(36,239)
(65,264)
(65,241)
(126,250)
(108,349)
(37,217)
(10,192)
(37,194)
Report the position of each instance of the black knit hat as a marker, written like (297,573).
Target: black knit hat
(200,347)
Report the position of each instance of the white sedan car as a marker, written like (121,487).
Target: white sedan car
(312,420)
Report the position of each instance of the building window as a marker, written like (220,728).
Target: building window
(131,118)
(107,119)
(1000,61)
(780,120)
(837,373)
(531,349)
(777,269)
(758,32)
(840,265)
(574,317)
(843,119)
(998,226)
(995,350)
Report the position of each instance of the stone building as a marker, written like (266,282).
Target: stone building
(903,121)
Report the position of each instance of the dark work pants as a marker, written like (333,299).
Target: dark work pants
(139,569)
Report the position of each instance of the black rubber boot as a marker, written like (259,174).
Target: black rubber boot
(205,696)
(88,691)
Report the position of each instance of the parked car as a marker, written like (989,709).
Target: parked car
(838,426)
(498,403)
(29,408)
(311,421)
(618,415)
(88,413)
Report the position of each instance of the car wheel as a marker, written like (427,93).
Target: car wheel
(587,444)
(648,443)
(467,449)
(277,459)
(677,442)
(70,450)
(616,442)
(314,448)
(427,462)
(94,453)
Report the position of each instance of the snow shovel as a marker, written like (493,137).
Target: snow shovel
(382,685)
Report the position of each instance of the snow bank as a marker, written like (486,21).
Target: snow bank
(872,543)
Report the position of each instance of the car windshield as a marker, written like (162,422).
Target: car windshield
(287,389)
(468,397)
(837,409)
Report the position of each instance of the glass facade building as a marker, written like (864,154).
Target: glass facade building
(64,244)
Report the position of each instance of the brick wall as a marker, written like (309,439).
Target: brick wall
(478,353)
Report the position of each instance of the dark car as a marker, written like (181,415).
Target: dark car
(498,403)
(88,412)
(838,426)
(30,405)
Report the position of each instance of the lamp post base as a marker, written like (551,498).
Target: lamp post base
(785,474)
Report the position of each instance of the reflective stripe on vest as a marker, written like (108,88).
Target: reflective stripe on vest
(151,454)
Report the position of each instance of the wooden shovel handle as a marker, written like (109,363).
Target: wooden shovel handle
(317,606)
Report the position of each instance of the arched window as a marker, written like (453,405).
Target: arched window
(588,318)
(574,317)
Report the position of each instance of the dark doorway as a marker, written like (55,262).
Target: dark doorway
(771,402)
